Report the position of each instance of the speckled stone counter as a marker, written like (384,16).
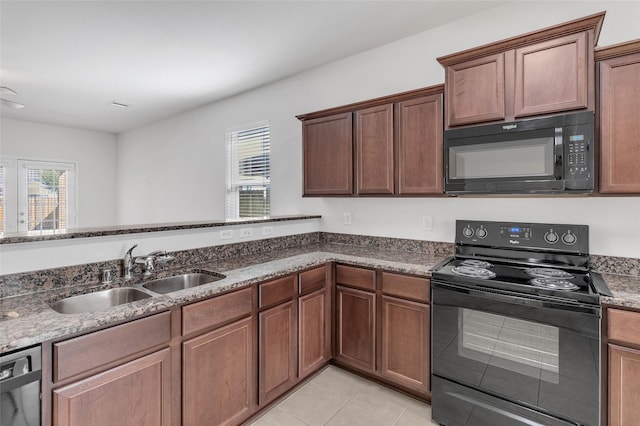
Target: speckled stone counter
(27,319)
(625,289)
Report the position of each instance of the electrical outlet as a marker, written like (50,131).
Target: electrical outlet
(347,218)
(267,230)
(226,234)
(427,223)
(246,232)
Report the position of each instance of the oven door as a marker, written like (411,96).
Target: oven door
(540,354)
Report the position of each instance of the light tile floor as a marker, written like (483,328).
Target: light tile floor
(336,397)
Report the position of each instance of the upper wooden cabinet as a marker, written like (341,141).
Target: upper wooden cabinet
(328,155)
(397,142)
(538,73)
(374,150)
(619,109)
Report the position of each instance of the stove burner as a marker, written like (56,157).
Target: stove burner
(548,273)
(554,284)
(473,272)
(476,263)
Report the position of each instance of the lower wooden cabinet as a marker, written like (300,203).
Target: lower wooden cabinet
(624,386)
(356,327)
(218,376)
(405,343)
(278,348)
(314,346)
(136,393)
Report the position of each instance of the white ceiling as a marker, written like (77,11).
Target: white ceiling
(67,60)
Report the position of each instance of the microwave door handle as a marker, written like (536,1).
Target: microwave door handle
(558,141)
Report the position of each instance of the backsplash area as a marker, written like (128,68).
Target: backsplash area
(79,275)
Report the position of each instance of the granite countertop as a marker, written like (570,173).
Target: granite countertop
(27,320)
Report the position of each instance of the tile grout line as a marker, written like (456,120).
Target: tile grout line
(400,416)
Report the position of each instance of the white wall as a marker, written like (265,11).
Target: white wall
(93,152)
(190,147)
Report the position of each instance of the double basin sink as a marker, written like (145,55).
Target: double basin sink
(103,299)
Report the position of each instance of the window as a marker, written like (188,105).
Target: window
(36,196)
(248,172)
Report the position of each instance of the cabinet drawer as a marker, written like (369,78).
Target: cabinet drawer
(624,326)
(94,350)
(405,286)
(215,311)
(355,277)
(311,280)
(277,291)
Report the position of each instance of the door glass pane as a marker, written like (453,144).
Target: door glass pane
(47,199)
(530,157)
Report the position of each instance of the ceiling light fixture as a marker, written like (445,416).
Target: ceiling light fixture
(118,104)
(4,90)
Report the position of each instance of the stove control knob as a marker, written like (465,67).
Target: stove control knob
(551,237)
(569,238)
(481,232)
(467,232)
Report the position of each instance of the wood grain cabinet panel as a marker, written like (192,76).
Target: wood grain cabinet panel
(356,327)
(218,376)
(356,277)
(328,155)
(405,343)
(619,124)
(374,150)
(419,130)
(624,386)
(314,346)
(623,326)
(406,286)
(277,291)
(136,393)
(312,279)
(475,91)
(216,311)
(277,351)
(552,76)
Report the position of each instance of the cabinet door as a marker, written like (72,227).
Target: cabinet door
(218,376)
(374,150)
(405,343)
(314,347)
(356,314)
(619,124)
(136,393)
(552,76)
(328,155)
(278,347)
(624,386)
(475,91)
(420,145)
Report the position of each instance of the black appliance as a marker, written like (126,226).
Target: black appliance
(20,378)
(515,327)
(552,154)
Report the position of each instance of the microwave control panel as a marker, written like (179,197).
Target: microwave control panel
(578,163)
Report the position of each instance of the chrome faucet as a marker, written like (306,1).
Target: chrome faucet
(149,261)
(128,264)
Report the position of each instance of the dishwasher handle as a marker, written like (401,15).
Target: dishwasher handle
(8,385)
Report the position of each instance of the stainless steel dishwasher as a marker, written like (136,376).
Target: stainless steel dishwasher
(20,378)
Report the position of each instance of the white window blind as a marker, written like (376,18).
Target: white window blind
(248,172)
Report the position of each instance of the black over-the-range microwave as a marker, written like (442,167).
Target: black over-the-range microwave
(553,154)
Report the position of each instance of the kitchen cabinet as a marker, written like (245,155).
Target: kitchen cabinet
(97,382)
(382,326)
(539,73)
(396,140)
(619,109)
(218,376)
(623,335)
(374,150)
(327,145)
(405,331)
(314,320)
(218,382)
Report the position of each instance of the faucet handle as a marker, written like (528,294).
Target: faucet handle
(131,250)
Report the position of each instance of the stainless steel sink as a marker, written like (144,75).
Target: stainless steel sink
(98,300)
(181,282)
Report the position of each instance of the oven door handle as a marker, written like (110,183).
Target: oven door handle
(517,299)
